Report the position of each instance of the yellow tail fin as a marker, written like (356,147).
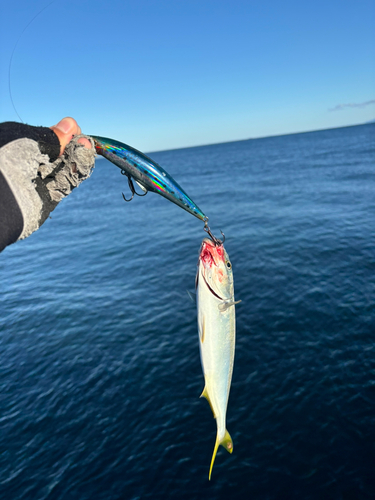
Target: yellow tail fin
(226,442)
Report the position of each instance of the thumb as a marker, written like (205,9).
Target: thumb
(65,130)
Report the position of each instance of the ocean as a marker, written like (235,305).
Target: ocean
(100,371)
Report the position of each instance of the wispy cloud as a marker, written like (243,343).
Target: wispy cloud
(353,105)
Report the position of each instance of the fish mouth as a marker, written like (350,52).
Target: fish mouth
(207,260)
(206,255)
(211,290)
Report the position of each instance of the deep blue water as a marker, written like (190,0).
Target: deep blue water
(100,372)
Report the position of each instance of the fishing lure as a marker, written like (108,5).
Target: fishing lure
(147,174)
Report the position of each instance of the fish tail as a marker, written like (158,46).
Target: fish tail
(226,442)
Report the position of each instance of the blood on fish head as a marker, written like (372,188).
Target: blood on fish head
(215,268)
(211,254)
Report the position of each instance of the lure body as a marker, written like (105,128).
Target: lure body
(217,333)
(146,172)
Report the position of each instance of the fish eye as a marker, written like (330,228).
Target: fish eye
(229,265)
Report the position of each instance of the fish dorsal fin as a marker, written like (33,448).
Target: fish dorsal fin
(226,443)
(223,306)
(193,296)
(205,395)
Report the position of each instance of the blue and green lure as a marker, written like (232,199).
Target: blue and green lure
(147,174)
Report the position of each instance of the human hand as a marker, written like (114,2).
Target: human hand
(39,166)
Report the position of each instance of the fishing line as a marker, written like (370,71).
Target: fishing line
(14,49)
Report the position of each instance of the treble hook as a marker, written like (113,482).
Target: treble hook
(131,187)
(213,238)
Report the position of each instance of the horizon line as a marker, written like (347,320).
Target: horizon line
(260,137)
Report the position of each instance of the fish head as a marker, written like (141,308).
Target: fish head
(215,268)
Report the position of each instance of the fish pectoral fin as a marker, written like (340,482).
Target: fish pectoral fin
(193,296)
(205,395)
(227,304)
(226,443)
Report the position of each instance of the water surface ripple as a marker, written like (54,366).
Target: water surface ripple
(99,362)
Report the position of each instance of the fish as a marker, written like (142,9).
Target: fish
(217,333)
(146,172)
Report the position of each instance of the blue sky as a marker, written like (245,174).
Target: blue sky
(173,73)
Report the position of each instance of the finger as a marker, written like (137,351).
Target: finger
(65,130)
(85,142)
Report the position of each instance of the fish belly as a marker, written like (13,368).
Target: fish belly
(216,342)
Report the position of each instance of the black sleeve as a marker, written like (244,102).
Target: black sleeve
(11,220)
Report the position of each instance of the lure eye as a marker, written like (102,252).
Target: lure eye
(229,265)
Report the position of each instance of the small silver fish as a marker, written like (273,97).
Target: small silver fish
(217,333)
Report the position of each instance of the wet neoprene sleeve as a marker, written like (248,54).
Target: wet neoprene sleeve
(34,178)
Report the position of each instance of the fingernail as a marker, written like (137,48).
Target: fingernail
(65,125)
